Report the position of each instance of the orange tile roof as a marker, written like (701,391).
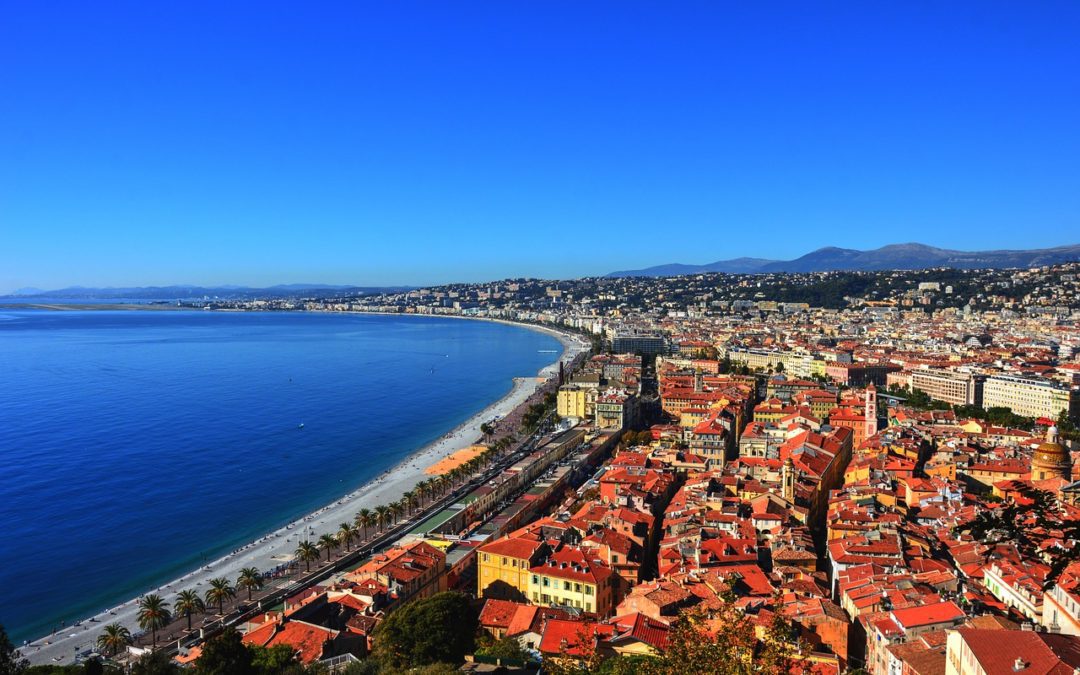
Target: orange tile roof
(926,615)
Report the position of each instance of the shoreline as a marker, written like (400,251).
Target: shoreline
(276,547)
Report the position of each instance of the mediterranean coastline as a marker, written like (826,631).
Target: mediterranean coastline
(276,548)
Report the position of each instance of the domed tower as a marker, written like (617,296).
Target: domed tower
(1051,459)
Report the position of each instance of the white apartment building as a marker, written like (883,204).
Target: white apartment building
(1026,396)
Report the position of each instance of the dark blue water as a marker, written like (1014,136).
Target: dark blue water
(133,444)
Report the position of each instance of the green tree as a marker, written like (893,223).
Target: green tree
(153,614)
(728,646)
(506,648)
(365,519)
(408,501)
(307,552)
(274,660)
(439,629)
(425,489)
(346,533)
(11,661)
(250,579)
(93,666)
(328,543)
(155,663)
(369,666)
(219,592)
(628,665)
(435,669)
(1067,429)
(396,511)
(226,654)
(382,516)
(114,637)
(187,603)
(721,643)
(443,483)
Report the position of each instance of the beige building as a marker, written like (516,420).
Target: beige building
(950,387)
(1026,396)
(971,651)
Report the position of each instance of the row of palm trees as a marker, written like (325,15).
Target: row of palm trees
(384,516)
(154,612)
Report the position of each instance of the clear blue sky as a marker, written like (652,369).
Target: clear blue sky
(413,143)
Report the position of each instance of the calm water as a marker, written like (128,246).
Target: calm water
(134,444)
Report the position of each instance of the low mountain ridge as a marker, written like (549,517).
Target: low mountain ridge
(910,256)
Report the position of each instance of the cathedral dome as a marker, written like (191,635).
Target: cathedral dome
(1051,459)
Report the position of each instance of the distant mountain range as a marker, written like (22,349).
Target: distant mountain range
(892,257)
(191,292)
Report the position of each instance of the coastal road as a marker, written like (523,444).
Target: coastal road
(64,646)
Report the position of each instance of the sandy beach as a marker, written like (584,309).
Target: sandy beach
(276,548)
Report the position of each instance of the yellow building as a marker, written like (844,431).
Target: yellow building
(771,411)
(691,417)
(576,401)
(821,402)
(503,567)
(568,578)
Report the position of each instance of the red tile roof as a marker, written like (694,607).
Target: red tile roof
(1041,654)
(927,615)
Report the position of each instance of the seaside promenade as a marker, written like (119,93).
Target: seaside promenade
(274,553)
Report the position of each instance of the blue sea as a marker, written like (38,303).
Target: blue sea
(137,444)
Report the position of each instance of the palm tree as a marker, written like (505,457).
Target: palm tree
(365,519)
(188,603)
(413,499)
(328,542)
(307,552)
(426,488)
(487,430)
(346,533)
(408,499)
(396,509)
(382,516)
(220,590)
(153,614)
(444,483)
(251,579)
(113,638)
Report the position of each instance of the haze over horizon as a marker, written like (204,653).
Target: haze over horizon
(391,145)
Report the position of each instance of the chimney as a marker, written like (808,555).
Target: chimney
(1019,665)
